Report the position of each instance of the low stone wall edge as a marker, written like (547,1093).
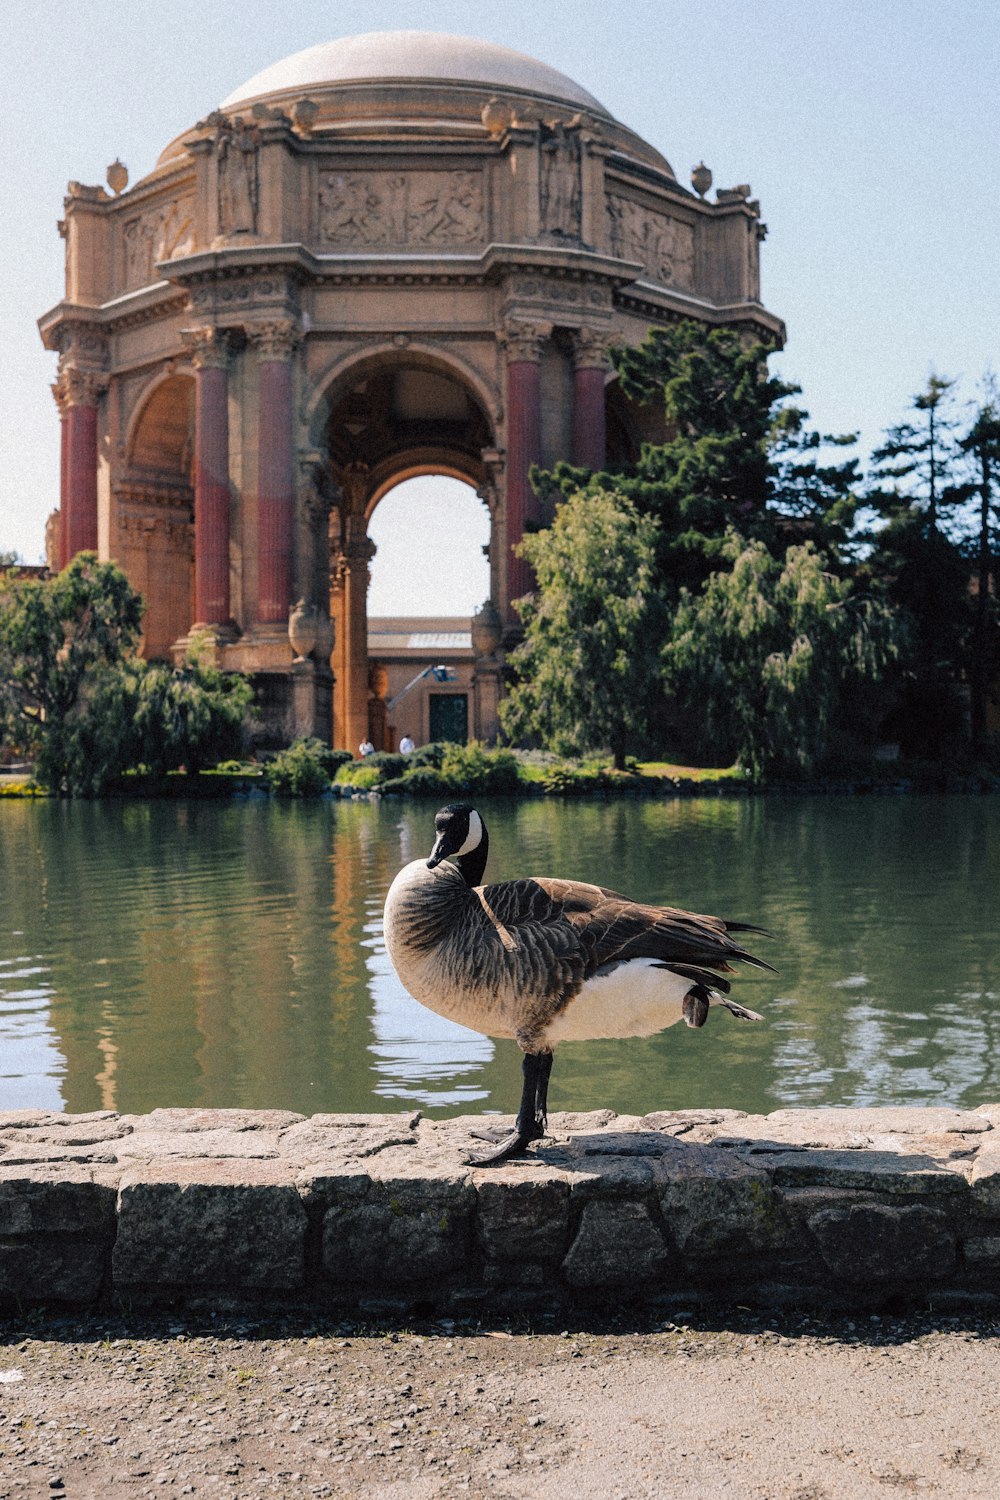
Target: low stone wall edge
(834,1208)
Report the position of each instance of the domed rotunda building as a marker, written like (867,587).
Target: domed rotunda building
(386,256)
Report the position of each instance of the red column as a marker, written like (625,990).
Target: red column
(58,391)
(211,477)
(524,448)
(78,463)
(589,430)
(274,500)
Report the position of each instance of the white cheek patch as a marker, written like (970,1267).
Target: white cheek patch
(475,836)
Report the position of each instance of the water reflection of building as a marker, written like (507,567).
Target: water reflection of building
(387,256)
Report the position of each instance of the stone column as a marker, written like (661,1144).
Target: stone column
(354,562)
(492,493)
(589,365)
(80,391)
(59,393)
(209,349)
(524,442)
(487,636)
(350,575)
(312,678)
(275,344)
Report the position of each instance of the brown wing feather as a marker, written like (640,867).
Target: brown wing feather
(606,927)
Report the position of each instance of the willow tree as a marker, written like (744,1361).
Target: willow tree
(763,657)
(587,671)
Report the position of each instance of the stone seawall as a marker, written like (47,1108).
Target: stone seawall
(845,1208)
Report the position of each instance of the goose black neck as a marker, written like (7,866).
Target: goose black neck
(472,866)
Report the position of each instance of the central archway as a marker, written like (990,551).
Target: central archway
(395,416)
(429,577)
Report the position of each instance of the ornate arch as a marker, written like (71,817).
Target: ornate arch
(347,367)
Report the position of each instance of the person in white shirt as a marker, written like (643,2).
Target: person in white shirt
(406,745)
(366,748)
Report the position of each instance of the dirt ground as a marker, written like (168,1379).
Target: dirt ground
(742,1406)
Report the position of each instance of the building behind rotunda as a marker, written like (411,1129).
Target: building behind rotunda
(389,255)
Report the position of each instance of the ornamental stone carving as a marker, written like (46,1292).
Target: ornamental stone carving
(208,348)
(401,208)
(82,344)
(317,493)
(663,246)
(303,631)
(559,180)
(160,233)
(274,340)
(81,387)
(523,341)
(590,349)
(236,147)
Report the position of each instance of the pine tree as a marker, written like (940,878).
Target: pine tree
(915,466)
(738,453)
(981,445)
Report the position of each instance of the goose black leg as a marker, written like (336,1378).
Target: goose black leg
(531,1116)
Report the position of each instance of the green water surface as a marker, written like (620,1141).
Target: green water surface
(231,954)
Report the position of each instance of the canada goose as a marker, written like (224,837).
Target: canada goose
(546,961)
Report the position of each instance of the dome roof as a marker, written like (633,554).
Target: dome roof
(414,57)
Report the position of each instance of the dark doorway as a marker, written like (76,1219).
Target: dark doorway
(450,717)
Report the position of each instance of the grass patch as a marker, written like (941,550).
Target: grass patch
(667,769)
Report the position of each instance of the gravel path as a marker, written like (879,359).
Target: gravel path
(745,1407)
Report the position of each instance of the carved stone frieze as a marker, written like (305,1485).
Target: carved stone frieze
(664,246)
(241,294)
(176,530)
(208,347)
(155,495)
(160,233)
(401,209)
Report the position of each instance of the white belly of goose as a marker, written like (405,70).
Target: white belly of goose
(637,998)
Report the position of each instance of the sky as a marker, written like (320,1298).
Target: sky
(869,130)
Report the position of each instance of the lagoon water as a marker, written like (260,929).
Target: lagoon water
(230,954)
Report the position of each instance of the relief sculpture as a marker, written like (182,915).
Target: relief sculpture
(401,209)
(559,187)
(160,233)
(236,145)
(663,246)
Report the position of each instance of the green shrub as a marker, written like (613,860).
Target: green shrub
(431,754)
(420,781)
(387,763)
(360,775)
(332,760)
(476,771)
(300,771)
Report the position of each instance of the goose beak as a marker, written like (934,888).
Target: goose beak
(441,850)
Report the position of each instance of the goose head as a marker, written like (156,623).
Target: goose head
(462,837)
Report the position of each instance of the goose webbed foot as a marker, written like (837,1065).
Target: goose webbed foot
(531,1117)
(511,1144)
